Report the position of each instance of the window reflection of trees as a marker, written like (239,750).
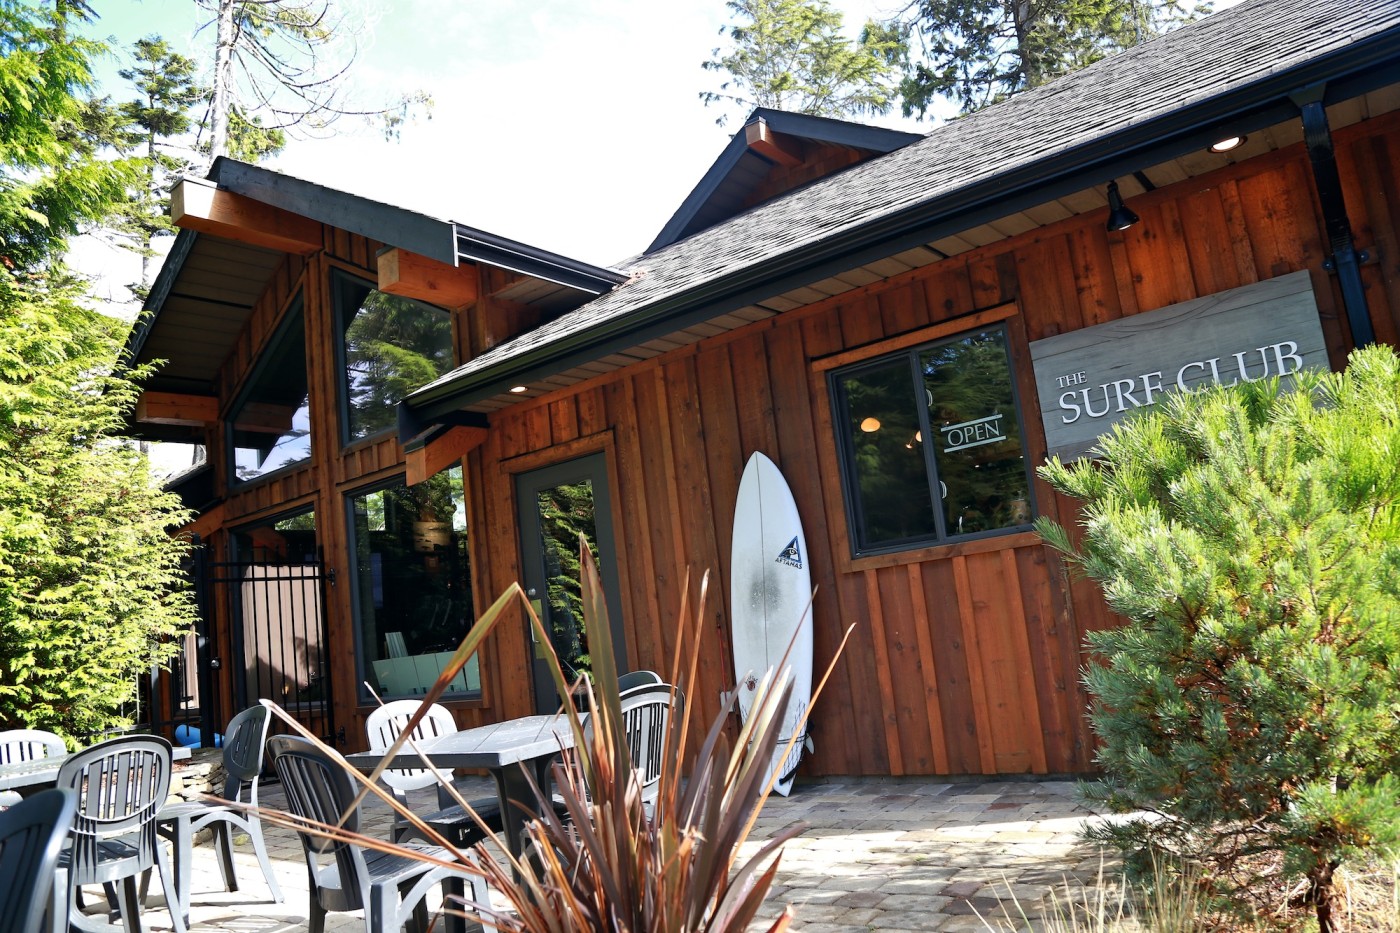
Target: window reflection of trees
(982,487)
(393,345)
(566,511)
(967,380)
(412,568)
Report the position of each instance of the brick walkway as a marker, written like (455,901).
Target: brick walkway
(876,855)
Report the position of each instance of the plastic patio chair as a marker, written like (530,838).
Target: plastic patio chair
(383,726)
(635,680)
(243,762)
(390,888)
(31,838)
(120,784)
(647,713)
(26,745)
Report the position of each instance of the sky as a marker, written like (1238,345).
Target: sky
(571,125)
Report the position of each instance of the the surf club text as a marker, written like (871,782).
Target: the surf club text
(1278,359)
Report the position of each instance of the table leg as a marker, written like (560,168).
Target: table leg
(512,785)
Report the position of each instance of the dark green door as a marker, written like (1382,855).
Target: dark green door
(556,504)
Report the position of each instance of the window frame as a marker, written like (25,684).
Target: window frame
(294,310)
(339,279)
(363,670)
(909,346)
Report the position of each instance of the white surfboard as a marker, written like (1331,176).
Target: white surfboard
(770,587)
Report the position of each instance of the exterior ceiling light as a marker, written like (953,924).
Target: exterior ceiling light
(518,389)
(1228,143)
(1119,216)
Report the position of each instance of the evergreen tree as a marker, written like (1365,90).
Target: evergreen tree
(790,55)
(52,181)
(977,52)
(90,590)
(280,64)
(157,122)
(1250,538)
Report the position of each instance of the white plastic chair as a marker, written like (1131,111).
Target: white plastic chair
(383,726)
(26,745)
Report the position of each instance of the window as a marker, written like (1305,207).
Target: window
(412,583)
(391,346)
(270,425)
(930,444)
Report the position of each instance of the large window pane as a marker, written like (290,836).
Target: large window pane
(392,346)
(977,434)
(270,427)
(937,422)
(412,583)
(882,431)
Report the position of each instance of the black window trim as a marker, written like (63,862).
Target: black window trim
(362,675)
(845,455)
(296,307)
(339,277)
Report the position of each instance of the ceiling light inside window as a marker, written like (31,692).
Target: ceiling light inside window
(870,425)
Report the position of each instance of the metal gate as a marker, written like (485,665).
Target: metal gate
(275,605)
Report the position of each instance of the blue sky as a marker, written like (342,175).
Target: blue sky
(573,125)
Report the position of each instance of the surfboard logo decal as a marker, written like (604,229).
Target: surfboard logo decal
(790,555)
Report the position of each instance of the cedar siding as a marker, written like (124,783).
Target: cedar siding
(964,658)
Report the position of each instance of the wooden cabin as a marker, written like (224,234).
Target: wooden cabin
(401,413)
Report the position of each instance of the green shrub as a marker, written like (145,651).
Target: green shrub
(1250,537)
(91,593)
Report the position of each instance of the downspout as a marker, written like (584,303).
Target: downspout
(1346,259)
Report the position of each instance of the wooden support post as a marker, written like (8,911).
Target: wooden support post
(440,453)
(781,149)
(414,276)
(200,205)
(195,411)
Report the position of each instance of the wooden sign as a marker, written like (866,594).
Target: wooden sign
(1089,379)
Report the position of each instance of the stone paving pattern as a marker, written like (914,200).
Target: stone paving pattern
(886,855)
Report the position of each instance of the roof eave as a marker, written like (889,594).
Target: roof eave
(1371,63)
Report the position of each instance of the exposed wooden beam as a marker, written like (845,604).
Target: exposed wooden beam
(196,204)
(195,411)
(441,453)
(265,418)
(781,149)
(206,523)
(415,276)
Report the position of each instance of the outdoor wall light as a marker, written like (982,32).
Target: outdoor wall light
(1228,143)
(1119,216)
(870,425)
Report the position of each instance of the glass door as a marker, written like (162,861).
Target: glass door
(556,504)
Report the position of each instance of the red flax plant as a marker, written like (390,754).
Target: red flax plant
(608,864)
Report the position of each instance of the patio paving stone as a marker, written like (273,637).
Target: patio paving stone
(881,855)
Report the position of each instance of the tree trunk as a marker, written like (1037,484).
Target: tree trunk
(1023,22)
(1322,892)
(222,100)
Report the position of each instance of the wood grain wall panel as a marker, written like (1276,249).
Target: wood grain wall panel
(1046,266)
(1212,260)
(754,399)
(861,321)
(695,511)
(1092,266)
(659,535)
(906,671)
(902,309)
(797,426)
(947,289)
(1372,191)
(950,658)
(643,601)
(884,677)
